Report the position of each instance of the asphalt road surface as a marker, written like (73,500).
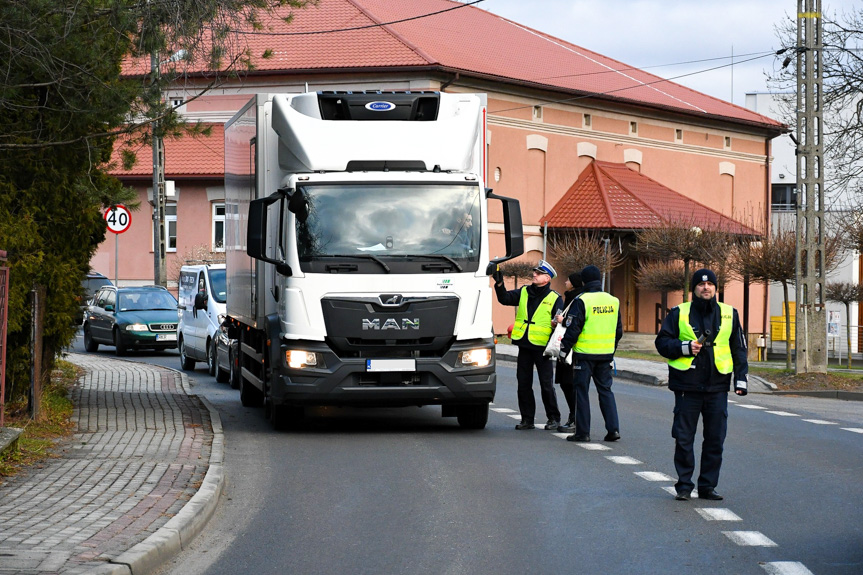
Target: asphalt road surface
(405,491)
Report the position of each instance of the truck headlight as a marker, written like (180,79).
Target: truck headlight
(474,358)
(297,359)
(137,327)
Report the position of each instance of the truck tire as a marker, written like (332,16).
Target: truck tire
(211,357)
(89,344)
(187,363)
(284,417)
(472,416)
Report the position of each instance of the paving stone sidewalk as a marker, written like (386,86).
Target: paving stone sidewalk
(141,475)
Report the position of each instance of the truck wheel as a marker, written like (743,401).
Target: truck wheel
(211,357)
(284,417)
(89,344)
(473,416)
(186,362)
(119,346)
(233,370)
(250,396)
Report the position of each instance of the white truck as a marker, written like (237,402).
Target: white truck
(357,242)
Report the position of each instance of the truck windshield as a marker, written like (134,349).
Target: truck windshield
(390,220)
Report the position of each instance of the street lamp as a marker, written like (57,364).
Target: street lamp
(159,267)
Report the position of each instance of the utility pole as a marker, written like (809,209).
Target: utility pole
(810,280)
(159,268)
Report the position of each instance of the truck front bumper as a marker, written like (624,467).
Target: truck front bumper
(352,381)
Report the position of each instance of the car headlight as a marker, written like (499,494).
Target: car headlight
(474,358)
(137,327)
(297,359)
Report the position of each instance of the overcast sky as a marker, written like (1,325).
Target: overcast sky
(654,34)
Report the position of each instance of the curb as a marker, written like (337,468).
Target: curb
(621,373)
(151,553)
(828,394)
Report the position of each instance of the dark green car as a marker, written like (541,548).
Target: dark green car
(131,318)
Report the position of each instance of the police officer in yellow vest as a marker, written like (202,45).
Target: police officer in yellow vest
(593,330)
(537,304)
(705,348)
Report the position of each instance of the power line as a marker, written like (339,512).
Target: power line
(337,30)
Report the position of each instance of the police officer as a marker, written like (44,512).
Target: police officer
(563,370)
(593,332)
(531,332)
(705,348)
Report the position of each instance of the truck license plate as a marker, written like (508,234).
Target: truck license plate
(391,365)
(166,337)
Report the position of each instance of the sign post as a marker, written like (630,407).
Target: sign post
(119,219)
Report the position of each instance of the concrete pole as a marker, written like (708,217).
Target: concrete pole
(811,322)
(159,268)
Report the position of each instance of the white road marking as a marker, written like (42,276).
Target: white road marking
(503,410)
(654,476)
(750,538)
(593,446)
(783,413)
(718,514)
(516,416)
(853,429)
(750,406)
(786,568)
(623,459)
(820,422)
(671,489)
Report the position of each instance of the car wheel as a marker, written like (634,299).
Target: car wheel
(211,358)
(89,344)
(119,346)
(233,370)
(472,416)
(186,362)
(222,375)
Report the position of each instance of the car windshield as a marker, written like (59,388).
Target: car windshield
(145,300)
(217,283)
(390,220)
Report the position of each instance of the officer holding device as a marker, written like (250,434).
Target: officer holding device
(706,350)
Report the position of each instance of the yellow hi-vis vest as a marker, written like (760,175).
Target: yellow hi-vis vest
(600,324)
(540,323)
(721,345)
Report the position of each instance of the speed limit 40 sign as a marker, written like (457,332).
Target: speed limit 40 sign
(118,219)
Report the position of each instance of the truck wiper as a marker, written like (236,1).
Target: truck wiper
(438,257)
(375,259)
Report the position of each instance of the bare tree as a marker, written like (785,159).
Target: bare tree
(845,293)
(842,67)
(662,276)
(573,251)
(517,270)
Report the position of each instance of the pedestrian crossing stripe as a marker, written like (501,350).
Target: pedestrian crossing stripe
(750,406)
(750,538)
(783,413)
(653,476)
(786,568)
(503,410)
(623,460)
(718,514)
(853,429)
(820,422)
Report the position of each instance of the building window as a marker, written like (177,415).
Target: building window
(171,227)
(587,120)
(537,112)
(678,135)
(633,128)
(784,197)
(219,227)
(727,142)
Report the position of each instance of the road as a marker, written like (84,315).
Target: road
(406,491)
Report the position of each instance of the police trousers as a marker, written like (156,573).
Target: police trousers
(712,407)
(527,359)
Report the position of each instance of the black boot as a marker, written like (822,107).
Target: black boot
(525,424)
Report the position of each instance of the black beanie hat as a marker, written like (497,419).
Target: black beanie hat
(703,275)
(591,274)
(575,279)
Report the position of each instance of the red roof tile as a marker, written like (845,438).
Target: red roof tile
(198,156)
(610,196)
(467,40)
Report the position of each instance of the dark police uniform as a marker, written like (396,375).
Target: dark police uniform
(594,329)
(701,384)
(536,306)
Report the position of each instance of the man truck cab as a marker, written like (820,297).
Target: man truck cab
(201,310)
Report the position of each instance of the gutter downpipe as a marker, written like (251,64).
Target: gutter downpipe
(768,148)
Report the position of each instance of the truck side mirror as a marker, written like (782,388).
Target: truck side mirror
(256,234)
(513,230)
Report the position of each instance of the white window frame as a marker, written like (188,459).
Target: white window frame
(170,221)
(217,219)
